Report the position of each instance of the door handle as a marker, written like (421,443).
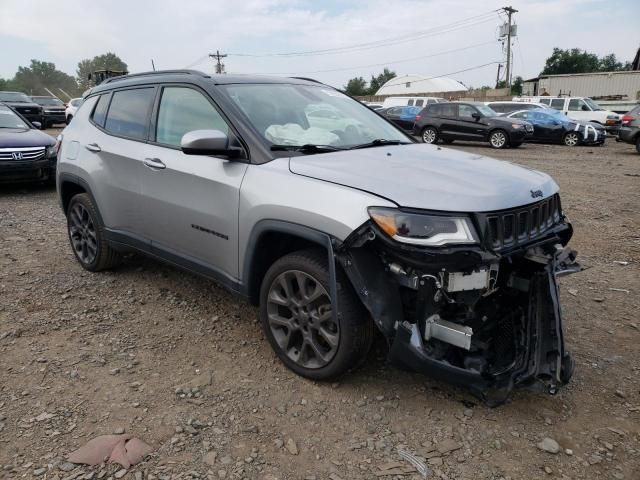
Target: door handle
(154,163)
(93,147)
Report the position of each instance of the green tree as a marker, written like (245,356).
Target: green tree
(106,61)
(580,61)
(376,82)
(356,87)
(39,75)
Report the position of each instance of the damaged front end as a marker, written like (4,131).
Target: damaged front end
(469,299)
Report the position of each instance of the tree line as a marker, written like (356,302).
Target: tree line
(561,61)
(41,75)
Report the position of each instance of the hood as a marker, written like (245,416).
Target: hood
(20,137)
(429,177)
(23,105)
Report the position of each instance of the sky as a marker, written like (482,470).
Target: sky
(455,38)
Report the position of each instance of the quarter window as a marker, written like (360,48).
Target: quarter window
(129,112)
(100,112)
(183,110)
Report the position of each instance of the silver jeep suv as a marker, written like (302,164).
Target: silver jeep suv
(337,224)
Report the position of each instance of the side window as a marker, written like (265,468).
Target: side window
(183,110)
(129,112)
(448,110)
(434,109)
(410,102)
(557,103)
(575,104)
(419,103)
(465,112)
(498,107)
(545,101)
(522,115)
(431,100)
(100,112)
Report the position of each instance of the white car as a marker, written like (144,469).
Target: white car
(72,106)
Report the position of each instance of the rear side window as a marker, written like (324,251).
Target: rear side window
(545,101)
(498,107)
(129,112)
(448,110)
(410,102)
(557,103)
(419,103)
(183,110)
(100,112)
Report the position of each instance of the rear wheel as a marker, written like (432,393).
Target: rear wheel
(297,318)
(498,139)
(87,237)
(571,139)
(429,135)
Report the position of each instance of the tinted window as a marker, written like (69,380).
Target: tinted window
(546,101)
(410,102)
(448,110)
(129,111)
(499,107)
(557,103)
(419,103)
(183,110)
(100,112)
(466,112)
(434,109)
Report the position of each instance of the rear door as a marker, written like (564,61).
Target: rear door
(191,200)
(447,118)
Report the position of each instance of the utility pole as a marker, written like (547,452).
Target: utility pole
(219,65)
(510,11)
(498,74)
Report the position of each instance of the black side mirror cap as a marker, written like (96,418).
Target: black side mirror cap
(38,125)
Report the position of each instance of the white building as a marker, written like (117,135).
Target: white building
(419,84)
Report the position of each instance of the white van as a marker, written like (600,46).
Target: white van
(411,101)
(579,108)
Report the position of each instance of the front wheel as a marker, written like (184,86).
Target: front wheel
(429,135)
(297,317)
(571,139)
(87,236)
(498,139)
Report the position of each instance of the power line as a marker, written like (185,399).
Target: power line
(460,24)
(422,57)
(450,73)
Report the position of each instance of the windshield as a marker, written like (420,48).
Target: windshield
(297,115)
(14,97)
(8,119)
(593,105)
(48,101)
(486,110)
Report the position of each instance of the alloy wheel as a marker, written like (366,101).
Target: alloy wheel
(571,139)
(83,234)
(498,139)
(301,319)
(429,135)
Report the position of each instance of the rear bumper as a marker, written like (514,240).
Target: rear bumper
(27,171)
(58,117)
(628,134)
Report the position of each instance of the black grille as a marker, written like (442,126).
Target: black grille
(517,226)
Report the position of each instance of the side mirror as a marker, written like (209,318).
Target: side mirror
(38,125)
(208,142)
(585,108)
(476,115)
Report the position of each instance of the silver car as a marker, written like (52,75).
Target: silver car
(334,228)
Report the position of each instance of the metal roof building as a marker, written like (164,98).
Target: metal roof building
(417,84)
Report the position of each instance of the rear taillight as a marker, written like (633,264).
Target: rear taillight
(417,117)
(627,119)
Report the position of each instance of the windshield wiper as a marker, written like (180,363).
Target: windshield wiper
(378,142)
(306,148)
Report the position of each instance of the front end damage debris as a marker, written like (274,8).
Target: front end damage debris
(486,320)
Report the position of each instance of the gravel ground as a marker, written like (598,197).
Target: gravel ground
(176,361)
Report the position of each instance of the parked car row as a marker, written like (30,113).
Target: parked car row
(44,109)
(630,128)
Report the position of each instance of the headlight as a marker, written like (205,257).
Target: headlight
(427,230)
(516,125)
(52,151)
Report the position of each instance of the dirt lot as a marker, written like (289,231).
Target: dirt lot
(175,360)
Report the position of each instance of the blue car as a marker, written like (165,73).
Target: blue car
(552,126)
(404,117)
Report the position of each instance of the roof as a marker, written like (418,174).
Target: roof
(412,84)
(194,76)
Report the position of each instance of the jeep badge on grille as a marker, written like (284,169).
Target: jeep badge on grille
(536,193)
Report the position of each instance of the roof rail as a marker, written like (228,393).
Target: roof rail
(308,79)
(155,72)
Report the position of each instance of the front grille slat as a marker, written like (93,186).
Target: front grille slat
(26,153)
(521,225)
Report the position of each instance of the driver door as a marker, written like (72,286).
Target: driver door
(191,201)
(470,127)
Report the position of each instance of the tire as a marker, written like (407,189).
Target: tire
(294,333)
(499,139)
(429,135)
(572,139)
(87,236)
(515,144)
(638,143)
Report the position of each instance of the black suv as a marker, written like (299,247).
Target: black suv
(22,104)
(470,121)
(630,128)
(53,110)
